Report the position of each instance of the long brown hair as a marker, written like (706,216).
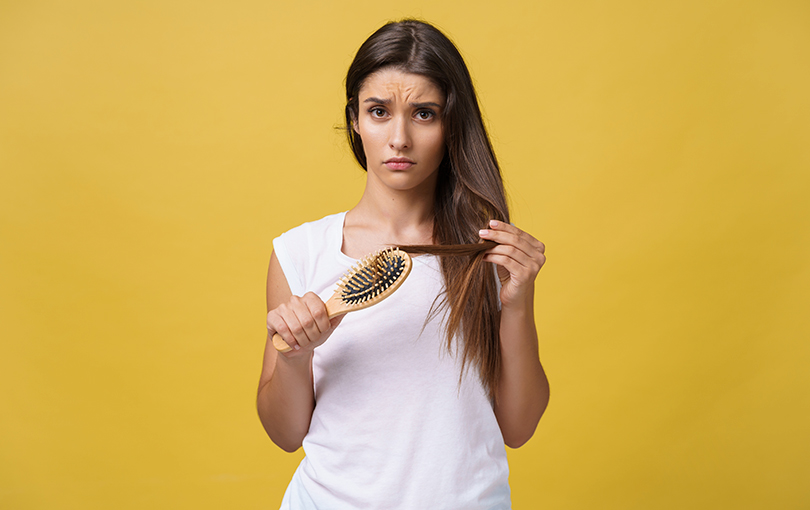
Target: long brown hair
(469,191)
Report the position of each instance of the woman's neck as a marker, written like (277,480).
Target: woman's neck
(388,218)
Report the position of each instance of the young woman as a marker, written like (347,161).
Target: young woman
(408,404)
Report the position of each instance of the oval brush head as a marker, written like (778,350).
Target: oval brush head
(376,274)
(374,278)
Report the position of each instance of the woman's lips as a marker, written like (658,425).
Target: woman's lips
(399,163)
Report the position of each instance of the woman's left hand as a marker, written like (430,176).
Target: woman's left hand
(519,257)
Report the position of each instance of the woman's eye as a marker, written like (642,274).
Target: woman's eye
(377,112)
(425,115)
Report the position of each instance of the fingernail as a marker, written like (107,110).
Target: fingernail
(296,347)
(493,223)
(483,233)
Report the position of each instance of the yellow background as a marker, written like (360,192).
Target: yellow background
(150,151)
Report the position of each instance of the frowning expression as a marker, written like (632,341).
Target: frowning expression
(399,121)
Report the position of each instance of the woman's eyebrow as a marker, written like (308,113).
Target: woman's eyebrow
(414,105)
(424,105)
(377,100)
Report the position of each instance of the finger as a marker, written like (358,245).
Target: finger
(512,243)
(514,260)
(335,321)
(506,258)
(520,252)
(531,247)
(280,344)
(277,327)
(504,233)
(521,235)
(301,323)
(317,310)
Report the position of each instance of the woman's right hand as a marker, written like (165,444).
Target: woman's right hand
(302,322)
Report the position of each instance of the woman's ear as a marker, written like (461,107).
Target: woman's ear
(353,116)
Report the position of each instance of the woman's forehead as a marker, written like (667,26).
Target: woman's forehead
(396,84)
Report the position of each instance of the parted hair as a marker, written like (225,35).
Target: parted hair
(469,190)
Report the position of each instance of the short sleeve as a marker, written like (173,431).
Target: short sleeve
(285,260)
(309,255)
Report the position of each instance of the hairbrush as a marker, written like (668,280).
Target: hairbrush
(373,279)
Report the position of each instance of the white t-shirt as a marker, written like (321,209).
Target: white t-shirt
(393,428)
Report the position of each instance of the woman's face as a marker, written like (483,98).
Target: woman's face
(399,121)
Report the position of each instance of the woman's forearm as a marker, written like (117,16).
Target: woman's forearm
(523,390)
(285,399)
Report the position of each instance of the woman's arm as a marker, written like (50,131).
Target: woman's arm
(523,390)
(286,398)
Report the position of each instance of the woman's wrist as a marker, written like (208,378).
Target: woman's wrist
(297,362)
(519,307)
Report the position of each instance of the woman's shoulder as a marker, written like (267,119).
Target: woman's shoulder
(316,230)
(306,250)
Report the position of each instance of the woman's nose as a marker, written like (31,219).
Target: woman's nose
(399,137)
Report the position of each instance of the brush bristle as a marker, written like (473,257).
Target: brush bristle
(373,276)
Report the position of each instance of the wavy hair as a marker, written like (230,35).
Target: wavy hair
(469,191)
